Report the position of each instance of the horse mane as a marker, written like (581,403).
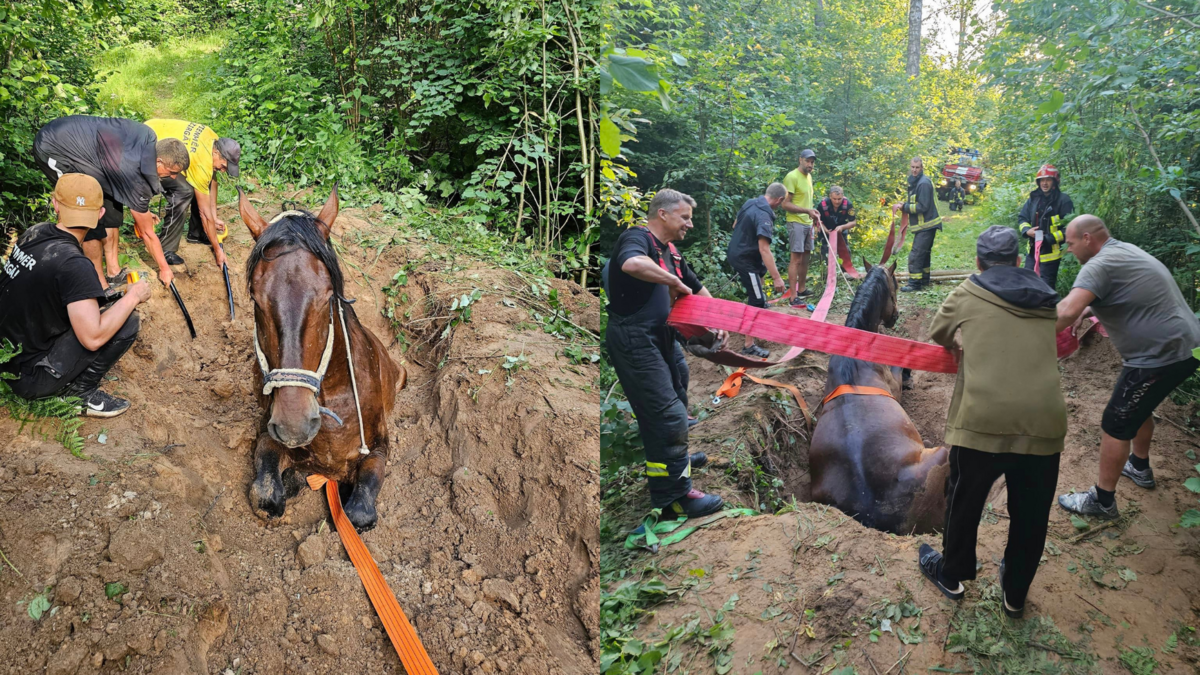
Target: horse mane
(295,230)
(871,293)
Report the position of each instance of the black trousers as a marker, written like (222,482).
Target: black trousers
(920,257)
(1031,481)
(654,376)
(69,369)
(182,204)
(1048,271)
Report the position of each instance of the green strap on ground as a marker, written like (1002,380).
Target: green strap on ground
(650,534)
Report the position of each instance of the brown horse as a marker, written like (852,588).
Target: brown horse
(313,403)
(866,457)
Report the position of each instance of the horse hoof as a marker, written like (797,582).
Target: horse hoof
(267,507)
(363,518)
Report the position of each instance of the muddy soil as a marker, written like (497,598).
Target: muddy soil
(487,518)
(818,559)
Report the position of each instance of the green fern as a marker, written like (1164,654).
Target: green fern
(60,414)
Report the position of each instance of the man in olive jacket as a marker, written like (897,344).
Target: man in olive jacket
(1003,421)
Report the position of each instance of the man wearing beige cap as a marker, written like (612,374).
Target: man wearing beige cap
(49,306)
(192,196)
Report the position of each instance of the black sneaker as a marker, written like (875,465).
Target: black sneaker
(1009,611)
(103,404)
(1142,479)
(696,504)
(930,561)
(698,459)
(201,238)
(173,258)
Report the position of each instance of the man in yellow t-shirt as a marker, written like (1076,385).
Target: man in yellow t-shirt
(197,188)
(800,218)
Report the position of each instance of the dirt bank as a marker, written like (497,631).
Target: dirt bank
(487,529)
(813,584)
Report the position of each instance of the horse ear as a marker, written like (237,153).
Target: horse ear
(892,269)
(328,214)
(867,264)
(250,217)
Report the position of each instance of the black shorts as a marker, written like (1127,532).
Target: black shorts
(1138,392)
(114,215)
(755,295)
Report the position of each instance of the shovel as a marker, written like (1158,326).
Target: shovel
(225,271)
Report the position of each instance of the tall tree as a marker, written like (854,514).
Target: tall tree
(914,38)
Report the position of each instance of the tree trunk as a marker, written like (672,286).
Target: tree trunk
(819,14)
(914,38)
(963,13)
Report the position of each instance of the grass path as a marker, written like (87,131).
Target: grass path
(172,80)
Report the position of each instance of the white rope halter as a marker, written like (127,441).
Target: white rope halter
(298,377)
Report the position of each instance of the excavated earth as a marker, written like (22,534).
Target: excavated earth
(1128,586)
(487,517)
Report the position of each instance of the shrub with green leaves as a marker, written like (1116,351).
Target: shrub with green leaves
(59,414)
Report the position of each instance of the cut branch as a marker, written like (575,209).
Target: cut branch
(1162,172)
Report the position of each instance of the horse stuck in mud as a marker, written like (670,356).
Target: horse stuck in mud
(328,382)
(866,456)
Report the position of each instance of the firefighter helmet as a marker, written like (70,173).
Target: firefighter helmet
(1047,171)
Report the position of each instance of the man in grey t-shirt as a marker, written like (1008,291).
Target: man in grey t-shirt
(1137,301)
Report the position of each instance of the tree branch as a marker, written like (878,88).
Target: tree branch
(1164,12)
(1162,172)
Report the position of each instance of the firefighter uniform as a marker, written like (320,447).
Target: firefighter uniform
(921,206)
(1048,213)
(651,368)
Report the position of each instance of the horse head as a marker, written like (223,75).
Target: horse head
(879,303)
(294,280)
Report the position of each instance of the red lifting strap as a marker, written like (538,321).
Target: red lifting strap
(693,312)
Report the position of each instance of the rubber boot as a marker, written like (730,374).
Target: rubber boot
(696,504)
(698,459)
(912,285)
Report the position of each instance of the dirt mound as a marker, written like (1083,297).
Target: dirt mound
(812,586)
(487,529)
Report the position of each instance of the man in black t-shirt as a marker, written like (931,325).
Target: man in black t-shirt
(646,274)
(49,307)
(749,252)
(127,160)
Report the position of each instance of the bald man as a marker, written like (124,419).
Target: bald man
(1136,299)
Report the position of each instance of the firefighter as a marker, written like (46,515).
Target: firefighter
(645,274)
(1044,216)
(921,206)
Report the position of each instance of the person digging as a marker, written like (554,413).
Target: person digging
(193,195)
(128,161)
(1003,421)
(49,306)
(645,274)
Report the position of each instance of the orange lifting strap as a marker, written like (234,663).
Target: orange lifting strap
(399,630)
(855,389)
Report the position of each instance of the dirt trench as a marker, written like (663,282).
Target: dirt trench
(487,529)
(1129,586)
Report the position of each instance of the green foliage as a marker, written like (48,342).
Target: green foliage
(59,413)
(993,643)
(115,589)
(1139,660)
(38,606)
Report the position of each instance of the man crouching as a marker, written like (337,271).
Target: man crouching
(49,307)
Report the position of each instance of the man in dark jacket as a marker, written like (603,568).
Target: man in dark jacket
(646,274)
(924,222)
(837,215)
(49,308)
(749,252)
(128,161)
(1003,421)
(1043,219)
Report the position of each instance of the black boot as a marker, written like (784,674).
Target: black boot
(696,504)
(912,285)
(698,459)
